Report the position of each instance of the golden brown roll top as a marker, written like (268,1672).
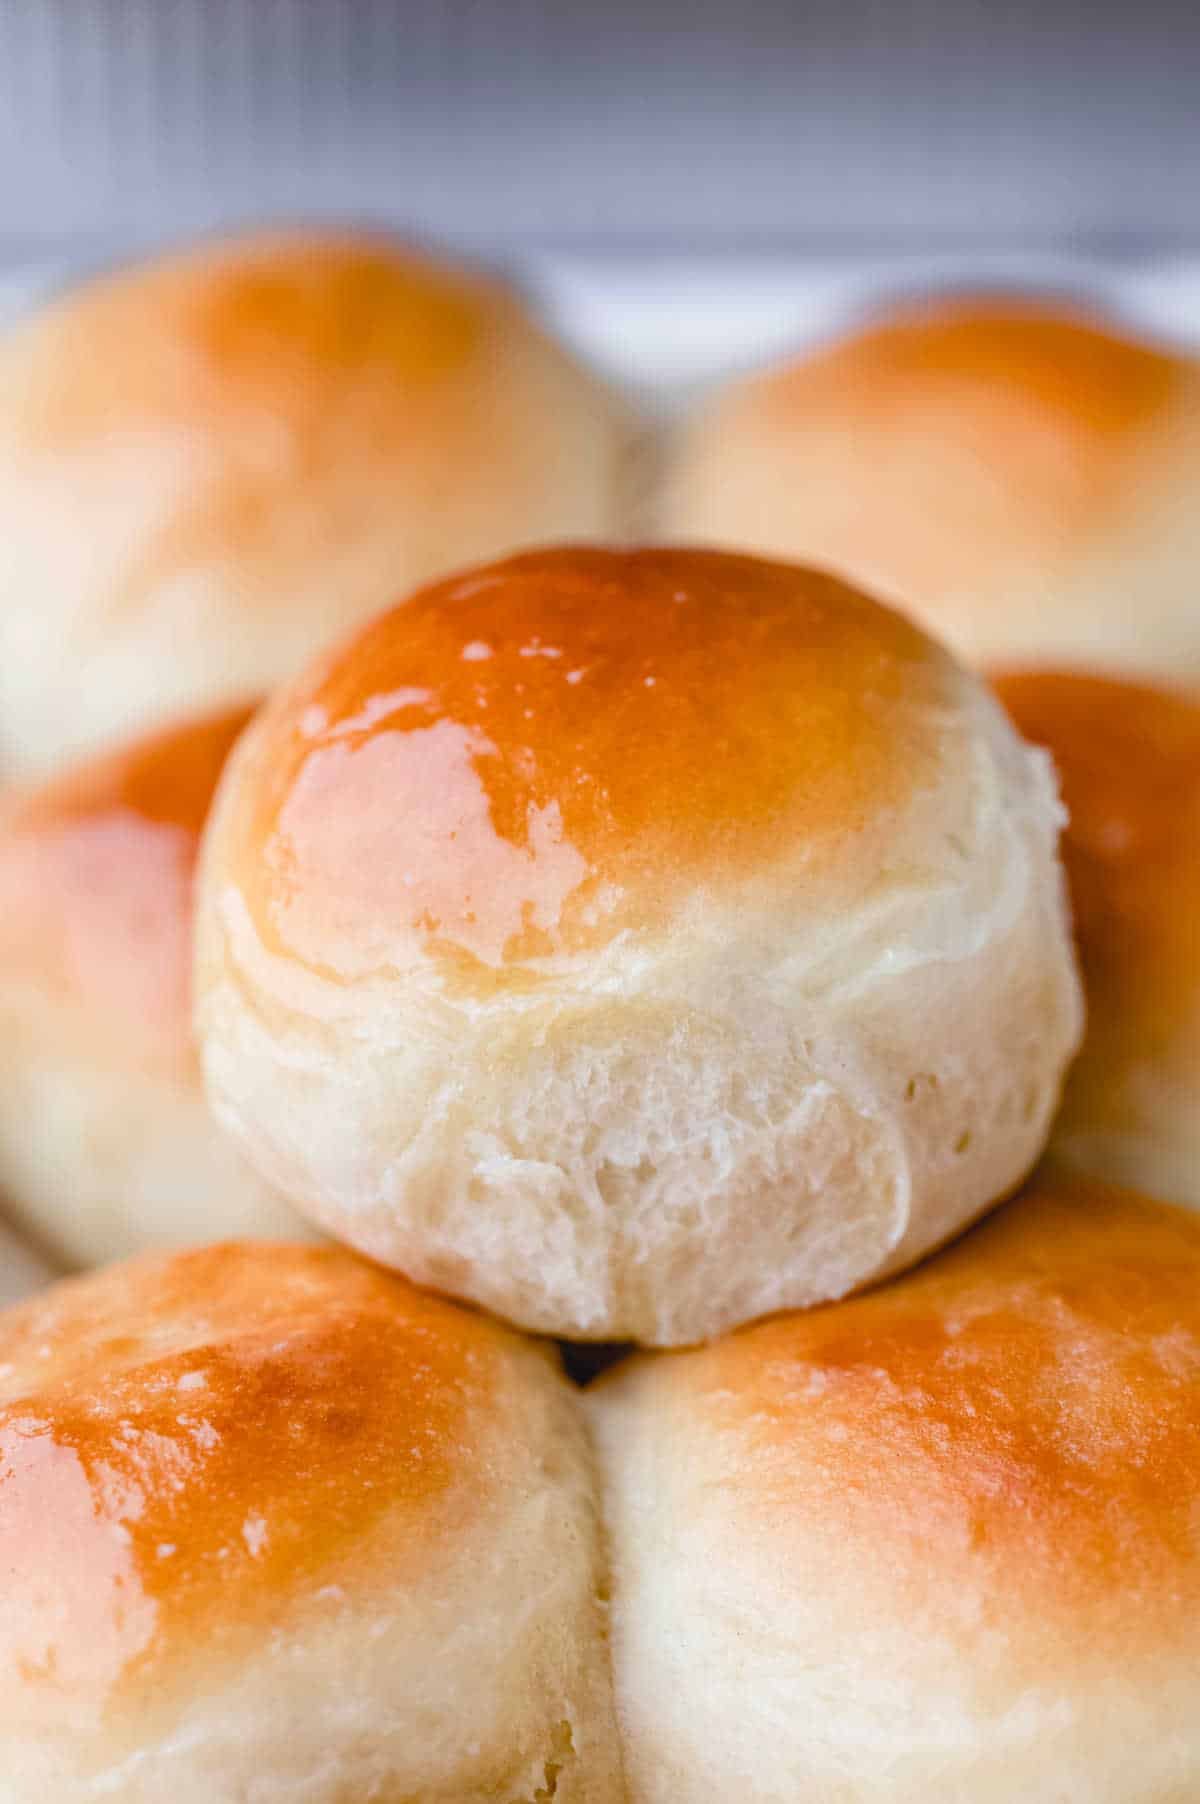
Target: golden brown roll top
(937,1541)
(276,1524)
(1019,475)
(105,1143)
(1129,760)
(212,463)
(636,942)
(567,748)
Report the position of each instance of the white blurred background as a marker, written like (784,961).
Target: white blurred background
(633,124)
(687,185)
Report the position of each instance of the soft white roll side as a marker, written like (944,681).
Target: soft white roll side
(103,1160)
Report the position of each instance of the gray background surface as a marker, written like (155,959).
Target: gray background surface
(553,122)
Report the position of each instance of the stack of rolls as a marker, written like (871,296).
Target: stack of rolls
(663,952)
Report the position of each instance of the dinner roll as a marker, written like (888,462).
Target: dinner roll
(636,942)
(1020,476)
(211,464)
(1129,757)
(106,1144)
(940,1542)
(22,1271)
(275,1526)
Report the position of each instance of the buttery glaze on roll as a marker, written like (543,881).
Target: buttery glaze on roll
(1020,476)
(1129,759)
(106,1143)
(275,1525)
(213,463)
(938,1542)
(636,942)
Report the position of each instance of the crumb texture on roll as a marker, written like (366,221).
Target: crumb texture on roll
(1129,760)
(636,942)
(106,1143)
(275,1525)
(1020,476)
(211,464)
(939,1541)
